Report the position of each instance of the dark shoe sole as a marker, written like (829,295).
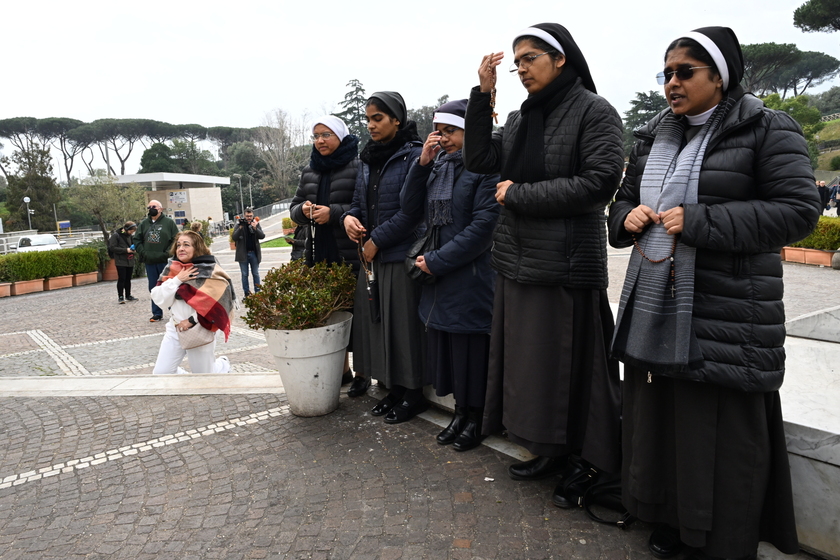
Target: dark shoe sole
(400,414)
(542,476)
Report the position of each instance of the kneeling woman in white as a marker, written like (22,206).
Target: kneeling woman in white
(197,292)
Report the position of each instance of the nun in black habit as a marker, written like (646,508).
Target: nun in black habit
(551,383)
(716,185)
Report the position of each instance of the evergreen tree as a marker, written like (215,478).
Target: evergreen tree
(642,109)
(353,112)
(32,178)
(818,15)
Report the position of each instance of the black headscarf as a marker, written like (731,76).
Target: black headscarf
(730,49)
(526,161)
(395,103)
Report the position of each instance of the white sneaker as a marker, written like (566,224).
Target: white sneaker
(223,364)
(181,371)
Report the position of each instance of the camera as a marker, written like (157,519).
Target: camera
(243,222)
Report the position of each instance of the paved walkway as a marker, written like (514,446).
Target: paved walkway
(135,466)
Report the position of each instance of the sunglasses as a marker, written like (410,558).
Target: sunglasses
(683,73)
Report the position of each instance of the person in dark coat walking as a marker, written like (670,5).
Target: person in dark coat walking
(388,335)
(323,196)
(456,309)
(717,184)
(121,248)
(551,383)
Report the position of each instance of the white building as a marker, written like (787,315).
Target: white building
(184,197)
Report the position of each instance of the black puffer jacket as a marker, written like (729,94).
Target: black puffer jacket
(552,232)
(756,194)
(118,243)
(342,185)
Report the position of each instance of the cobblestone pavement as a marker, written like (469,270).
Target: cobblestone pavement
(239,477)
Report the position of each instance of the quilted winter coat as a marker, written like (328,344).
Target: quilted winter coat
(552,232)
(756,194)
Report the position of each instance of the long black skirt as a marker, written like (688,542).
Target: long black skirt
(391,350)
(709,460)
(550,382)
(457,365)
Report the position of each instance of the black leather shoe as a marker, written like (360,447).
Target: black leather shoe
(470,437)
(406,411)
(384,406)
(359,387)
(665,542)
(454,428)
(537,468)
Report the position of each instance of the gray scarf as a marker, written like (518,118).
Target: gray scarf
(653,326)
(440,190)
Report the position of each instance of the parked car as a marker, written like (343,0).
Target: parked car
(39,242)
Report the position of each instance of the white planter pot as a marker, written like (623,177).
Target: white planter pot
(311,362)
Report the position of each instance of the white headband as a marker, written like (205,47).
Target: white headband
(448,118)
(544,35)
(333,123)
(715,53)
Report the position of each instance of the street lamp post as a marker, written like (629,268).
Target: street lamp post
(241,198)
(250,195)
(28,211)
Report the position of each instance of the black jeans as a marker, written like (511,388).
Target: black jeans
(124,280)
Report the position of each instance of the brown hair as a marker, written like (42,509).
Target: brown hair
(200,247)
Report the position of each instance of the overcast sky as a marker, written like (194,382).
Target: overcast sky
(229,63)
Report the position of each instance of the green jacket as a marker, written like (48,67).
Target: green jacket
(152,240)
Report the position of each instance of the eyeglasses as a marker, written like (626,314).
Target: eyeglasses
(526,61)
(324,135)
(448,132)
(683,73)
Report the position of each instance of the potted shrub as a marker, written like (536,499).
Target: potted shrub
(302,310)
(26,272)
(5,281)
(230,238)
(288,226)
(84,265)
(819,247)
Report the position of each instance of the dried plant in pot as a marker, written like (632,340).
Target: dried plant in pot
(303,311)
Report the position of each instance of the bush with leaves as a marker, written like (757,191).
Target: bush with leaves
(18,267)
(826,235)
(835,163)
(296,296)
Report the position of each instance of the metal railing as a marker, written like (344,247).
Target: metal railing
(828,118)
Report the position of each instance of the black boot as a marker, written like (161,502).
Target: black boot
(470,436)
(455,427)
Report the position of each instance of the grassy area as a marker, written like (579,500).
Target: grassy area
(831,131)
(279,242)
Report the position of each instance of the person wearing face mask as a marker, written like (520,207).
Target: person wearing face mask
(152,242)
(717,184)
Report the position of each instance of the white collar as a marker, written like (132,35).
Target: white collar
(696,120)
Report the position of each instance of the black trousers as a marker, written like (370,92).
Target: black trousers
(124,280)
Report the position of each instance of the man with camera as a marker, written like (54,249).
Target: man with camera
(246,234)
(151,242)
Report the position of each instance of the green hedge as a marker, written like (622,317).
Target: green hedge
(47,264)
(826,235)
